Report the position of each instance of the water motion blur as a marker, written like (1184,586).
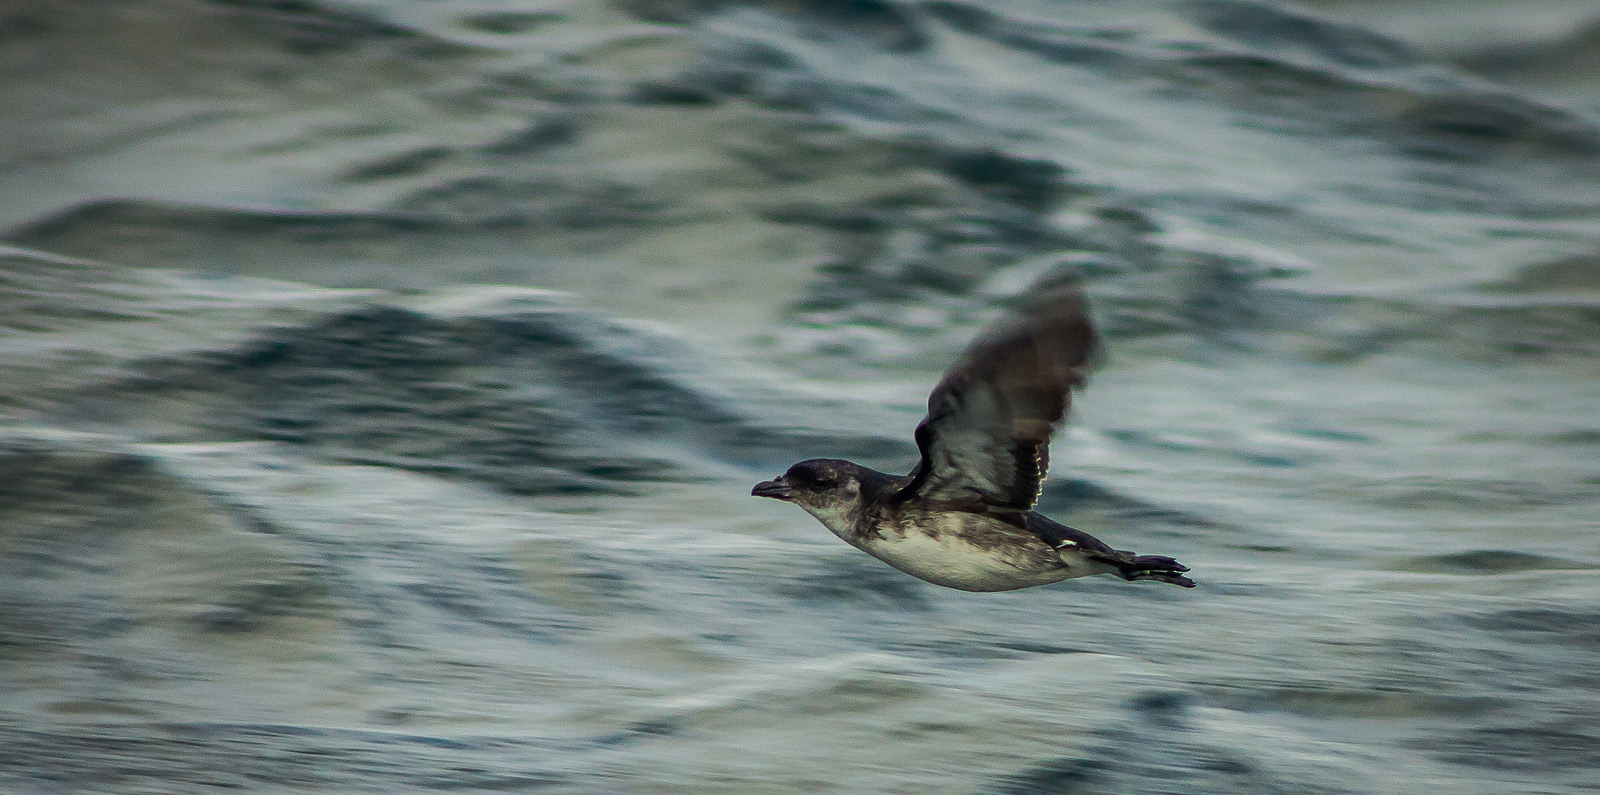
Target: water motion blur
(382,383)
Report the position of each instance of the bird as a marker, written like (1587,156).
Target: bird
(964,517)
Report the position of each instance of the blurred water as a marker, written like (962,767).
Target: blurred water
(381,385)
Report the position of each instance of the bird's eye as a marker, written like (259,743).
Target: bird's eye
(821,480)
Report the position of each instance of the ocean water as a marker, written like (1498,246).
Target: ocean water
(381,387)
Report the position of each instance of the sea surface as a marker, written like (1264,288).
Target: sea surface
(382,384)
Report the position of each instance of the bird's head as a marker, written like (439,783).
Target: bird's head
(821,484)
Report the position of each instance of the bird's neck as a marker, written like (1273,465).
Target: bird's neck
(842,518)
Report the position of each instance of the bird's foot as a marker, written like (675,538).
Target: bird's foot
(1155,567)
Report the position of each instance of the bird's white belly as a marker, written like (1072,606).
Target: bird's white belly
(945,559)
(954,563)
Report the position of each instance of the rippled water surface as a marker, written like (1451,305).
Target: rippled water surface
(381,387)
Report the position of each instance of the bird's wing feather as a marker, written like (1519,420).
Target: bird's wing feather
(987,434)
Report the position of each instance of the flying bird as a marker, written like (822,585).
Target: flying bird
(964,517)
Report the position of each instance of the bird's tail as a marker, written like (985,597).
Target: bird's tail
(1149,567)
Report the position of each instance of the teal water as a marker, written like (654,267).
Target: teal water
(381,386)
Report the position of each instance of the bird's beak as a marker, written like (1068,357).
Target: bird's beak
(776,489)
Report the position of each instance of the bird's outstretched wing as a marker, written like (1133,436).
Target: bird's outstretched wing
(987,434)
